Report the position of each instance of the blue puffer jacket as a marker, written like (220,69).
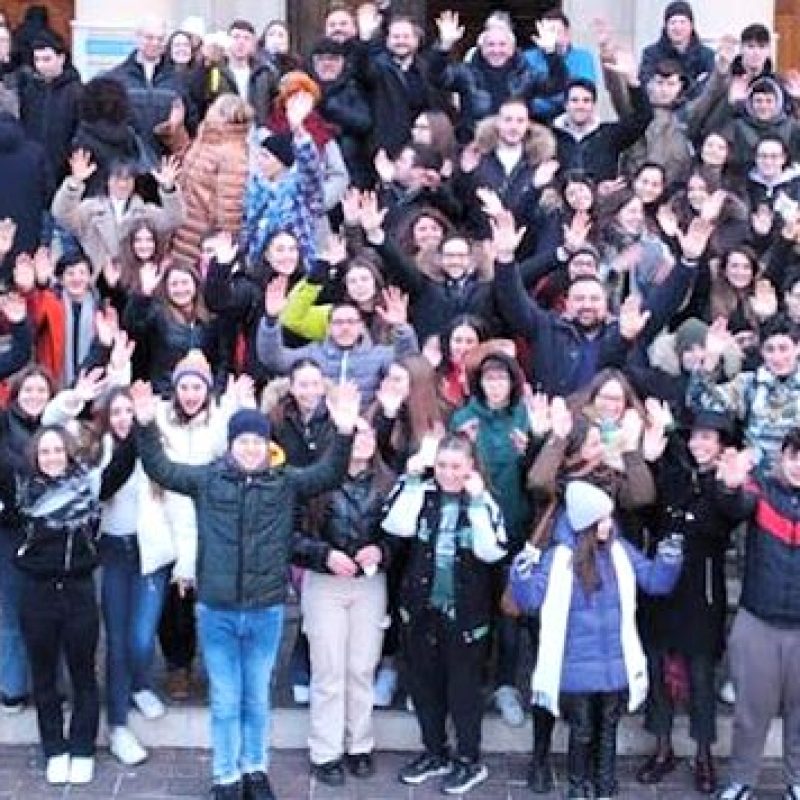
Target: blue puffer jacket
(593,659)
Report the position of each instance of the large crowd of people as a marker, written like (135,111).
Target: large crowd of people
(410,330)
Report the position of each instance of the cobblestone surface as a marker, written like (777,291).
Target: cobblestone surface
(173,773)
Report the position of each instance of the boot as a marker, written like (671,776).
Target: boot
(540,770)
(705,778)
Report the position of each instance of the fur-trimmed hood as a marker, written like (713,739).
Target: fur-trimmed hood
(664,356)
(540,144)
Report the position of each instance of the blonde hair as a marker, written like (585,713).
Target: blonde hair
(231,108)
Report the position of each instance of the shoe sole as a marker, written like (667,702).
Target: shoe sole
(419,779)
(476,780)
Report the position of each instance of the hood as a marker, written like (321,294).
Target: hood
(662,355)
(12,135)
(789,174)
(562,123)
(540,144)
(781,95)
(213,132)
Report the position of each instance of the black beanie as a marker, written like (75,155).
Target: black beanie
(248,420)
(678,9)
(280,145)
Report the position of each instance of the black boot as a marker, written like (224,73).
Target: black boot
(605,736)
(540,771)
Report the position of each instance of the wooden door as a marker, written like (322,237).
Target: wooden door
(787,14)
(61,13)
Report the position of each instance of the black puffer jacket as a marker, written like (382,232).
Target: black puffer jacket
(107,142)
(350,520)
(245,520)
(168,340)
(49,113)
(302,441)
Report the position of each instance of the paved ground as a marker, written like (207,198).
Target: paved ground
(171,773)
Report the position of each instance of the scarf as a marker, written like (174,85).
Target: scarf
(546,678)
(83,335)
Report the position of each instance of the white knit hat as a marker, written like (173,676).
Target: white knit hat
(586,505)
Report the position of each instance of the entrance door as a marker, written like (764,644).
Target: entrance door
(61,13)
(786,15)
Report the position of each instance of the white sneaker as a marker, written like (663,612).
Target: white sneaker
(384,688)
(507,700)
(727,693)
(81,769)
(57,772)
(125,746)
(148,704)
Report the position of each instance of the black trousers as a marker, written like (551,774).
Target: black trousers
(177,634)
(445,676)
(660,709)
(60,617)
(593,718)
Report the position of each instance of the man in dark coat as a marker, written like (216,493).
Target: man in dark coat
(27,184)
(48,101)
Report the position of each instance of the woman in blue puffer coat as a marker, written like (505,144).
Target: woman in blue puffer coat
(590,658)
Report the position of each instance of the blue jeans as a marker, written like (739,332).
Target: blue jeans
(131,604)
(239,648)
(14,681)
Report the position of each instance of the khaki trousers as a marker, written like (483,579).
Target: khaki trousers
(344,621)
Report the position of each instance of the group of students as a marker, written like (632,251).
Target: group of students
(454,371)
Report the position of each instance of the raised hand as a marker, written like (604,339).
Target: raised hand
(726,52)
(632,317)
(505,235)
(244,388)
(519,440)
(112,272)
(718,340)
(394,310)
(167,173)
(106,325)
(13,307)
(372,215)
(275,298)
(733,467)
(668,220)
(474,486)
(762,219)
(490,201)
(470,158)
(351,206)
(576,233)
(625,64)
(390,397)
(659,419)
(335,250)
(450,29)
(225,247)
(545,172)
(341,564)
(603,34)
(538,408)
(560,418)
(546,37)
(81,165)
(384,166)
(149,278)
(368,20)
(298,107)
(24,273)
(90,385)
(121,351)
(344,403)
(712,207)
(764,300)
(144,402)
(695,240)
(8,230)
(631,426)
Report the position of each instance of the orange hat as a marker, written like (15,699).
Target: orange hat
(297,81)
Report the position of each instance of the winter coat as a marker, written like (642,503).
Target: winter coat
(350,520)
(579,63)
(597,150)
(302,441)
(412,517)
(93,221)
(168,339)
(771,584)
(435,301)
(564,359)
(691,502)
(697,61)
(108,142)
(213,179)
(365,363)
(593,659)
(763,192)
(26,184)
(49,113)
(245,519)
(344,104)
(151,100)
(482,89)
(504,465)
(293,203)
(16,431)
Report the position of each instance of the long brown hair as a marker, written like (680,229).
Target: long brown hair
(130,263)
(199,311)
(725,299)
(582,402)
(424,411)
(584,560)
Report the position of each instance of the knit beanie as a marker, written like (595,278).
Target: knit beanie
(248,420)
(280,145)
(690,333)
(678,9)
(193,363)
(586,505)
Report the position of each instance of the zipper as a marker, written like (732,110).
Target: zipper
(68,551)
(240,554)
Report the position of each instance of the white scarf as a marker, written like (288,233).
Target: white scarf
(546,680)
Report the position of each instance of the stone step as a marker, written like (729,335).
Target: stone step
(187,726)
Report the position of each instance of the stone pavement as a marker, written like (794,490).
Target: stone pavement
(176,773)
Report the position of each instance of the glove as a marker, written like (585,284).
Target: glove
(671,548)
(527,559)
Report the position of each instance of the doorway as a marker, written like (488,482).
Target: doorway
(60,12)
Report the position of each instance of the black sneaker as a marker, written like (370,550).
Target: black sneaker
(227,791)
(360,765)
(466,775)
(255,786)
(424,767)
(12,705)
(331,773)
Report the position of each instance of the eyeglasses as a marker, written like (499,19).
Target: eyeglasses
(346,321)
